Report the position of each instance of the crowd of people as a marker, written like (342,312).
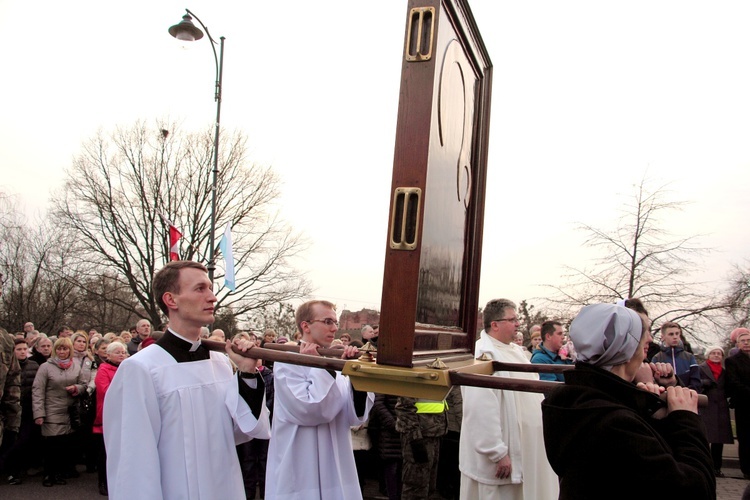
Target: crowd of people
(304,432)
(62,382)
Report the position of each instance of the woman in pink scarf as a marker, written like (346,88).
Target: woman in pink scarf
(56,384)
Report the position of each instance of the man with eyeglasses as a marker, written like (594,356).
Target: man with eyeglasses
(314,409)
(501,450)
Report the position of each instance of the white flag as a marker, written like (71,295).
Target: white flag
(225,245)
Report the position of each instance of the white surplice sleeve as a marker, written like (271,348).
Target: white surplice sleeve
(132,426)
(354,419)
(311,396)
(245,425)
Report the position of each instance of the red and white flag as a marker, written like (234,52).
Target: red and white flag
(174,238)
(174,247)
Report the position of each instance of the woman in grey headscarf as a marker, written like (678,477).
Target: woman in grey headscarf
(608,438)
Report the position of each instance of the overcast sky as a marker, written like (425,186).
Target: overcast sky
(587,98)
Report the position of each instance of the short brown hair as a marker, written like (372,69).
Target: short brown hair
(168,280)
(636,305)
(671,324)
(548,328)
(304,312)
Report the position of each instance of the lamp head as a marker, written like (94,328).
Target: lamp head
(185,30)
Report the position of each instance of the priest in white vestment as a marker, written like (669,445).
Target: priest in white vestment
(310,453)
(501,450)
(175,411)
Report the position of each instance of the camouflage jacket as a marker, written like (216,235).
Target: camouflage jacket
(414,426)
(10,385)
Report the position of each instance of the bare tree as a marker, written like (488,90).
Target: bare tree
(109,314)
(279,317)
(32,260)
(641,258)
(227,321)
(529,316)
(738,296)
(122,183)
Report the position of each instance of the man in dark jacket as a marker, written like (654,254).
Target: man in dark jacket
(737,386)
(253,455)
(673,352)
(142,332)
(16,458)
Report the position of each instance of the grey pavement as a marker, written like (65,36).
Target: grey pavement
(85,487)
(733,485)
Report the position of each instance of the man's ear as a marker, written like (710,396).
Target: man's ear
(169,301)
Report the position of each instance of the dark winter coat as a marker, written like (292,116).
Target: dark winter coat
(681,361)
(133,344)
(737,381)
(29,368)
(716,415)
(267,374)
(389,439)
(602,442)
(38,357)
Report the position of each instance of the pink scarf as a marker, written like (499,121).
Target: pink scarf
(64,364)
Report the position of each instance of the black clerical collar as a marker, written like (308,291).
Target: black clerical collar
(180,349)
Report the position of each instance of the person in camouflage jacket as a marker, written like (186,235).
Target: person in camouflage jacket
(10,390)
(422,425)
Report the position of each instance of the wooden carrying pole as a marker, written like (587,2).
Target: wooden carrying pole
(290,354)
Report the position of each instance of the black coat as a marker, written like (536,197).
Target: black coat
(737,383)
(29,368)
(383,416)
(716,415)
(603,442)
(38,357)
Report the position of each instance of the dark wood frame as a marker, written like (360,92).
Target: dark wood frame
(402,340)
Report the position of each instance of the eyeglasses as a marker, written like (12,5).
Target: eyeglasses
(328,322)
(509,320)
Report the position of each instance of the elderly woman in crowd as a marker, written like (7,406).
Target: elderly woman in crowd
(734,336)
(56,383)
(716,415)
(608,438)
(116,353)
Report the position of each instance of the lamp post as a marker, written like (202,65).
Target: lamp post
(186,31)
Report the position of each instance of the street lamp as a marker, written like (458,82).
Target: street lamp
(186,31)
